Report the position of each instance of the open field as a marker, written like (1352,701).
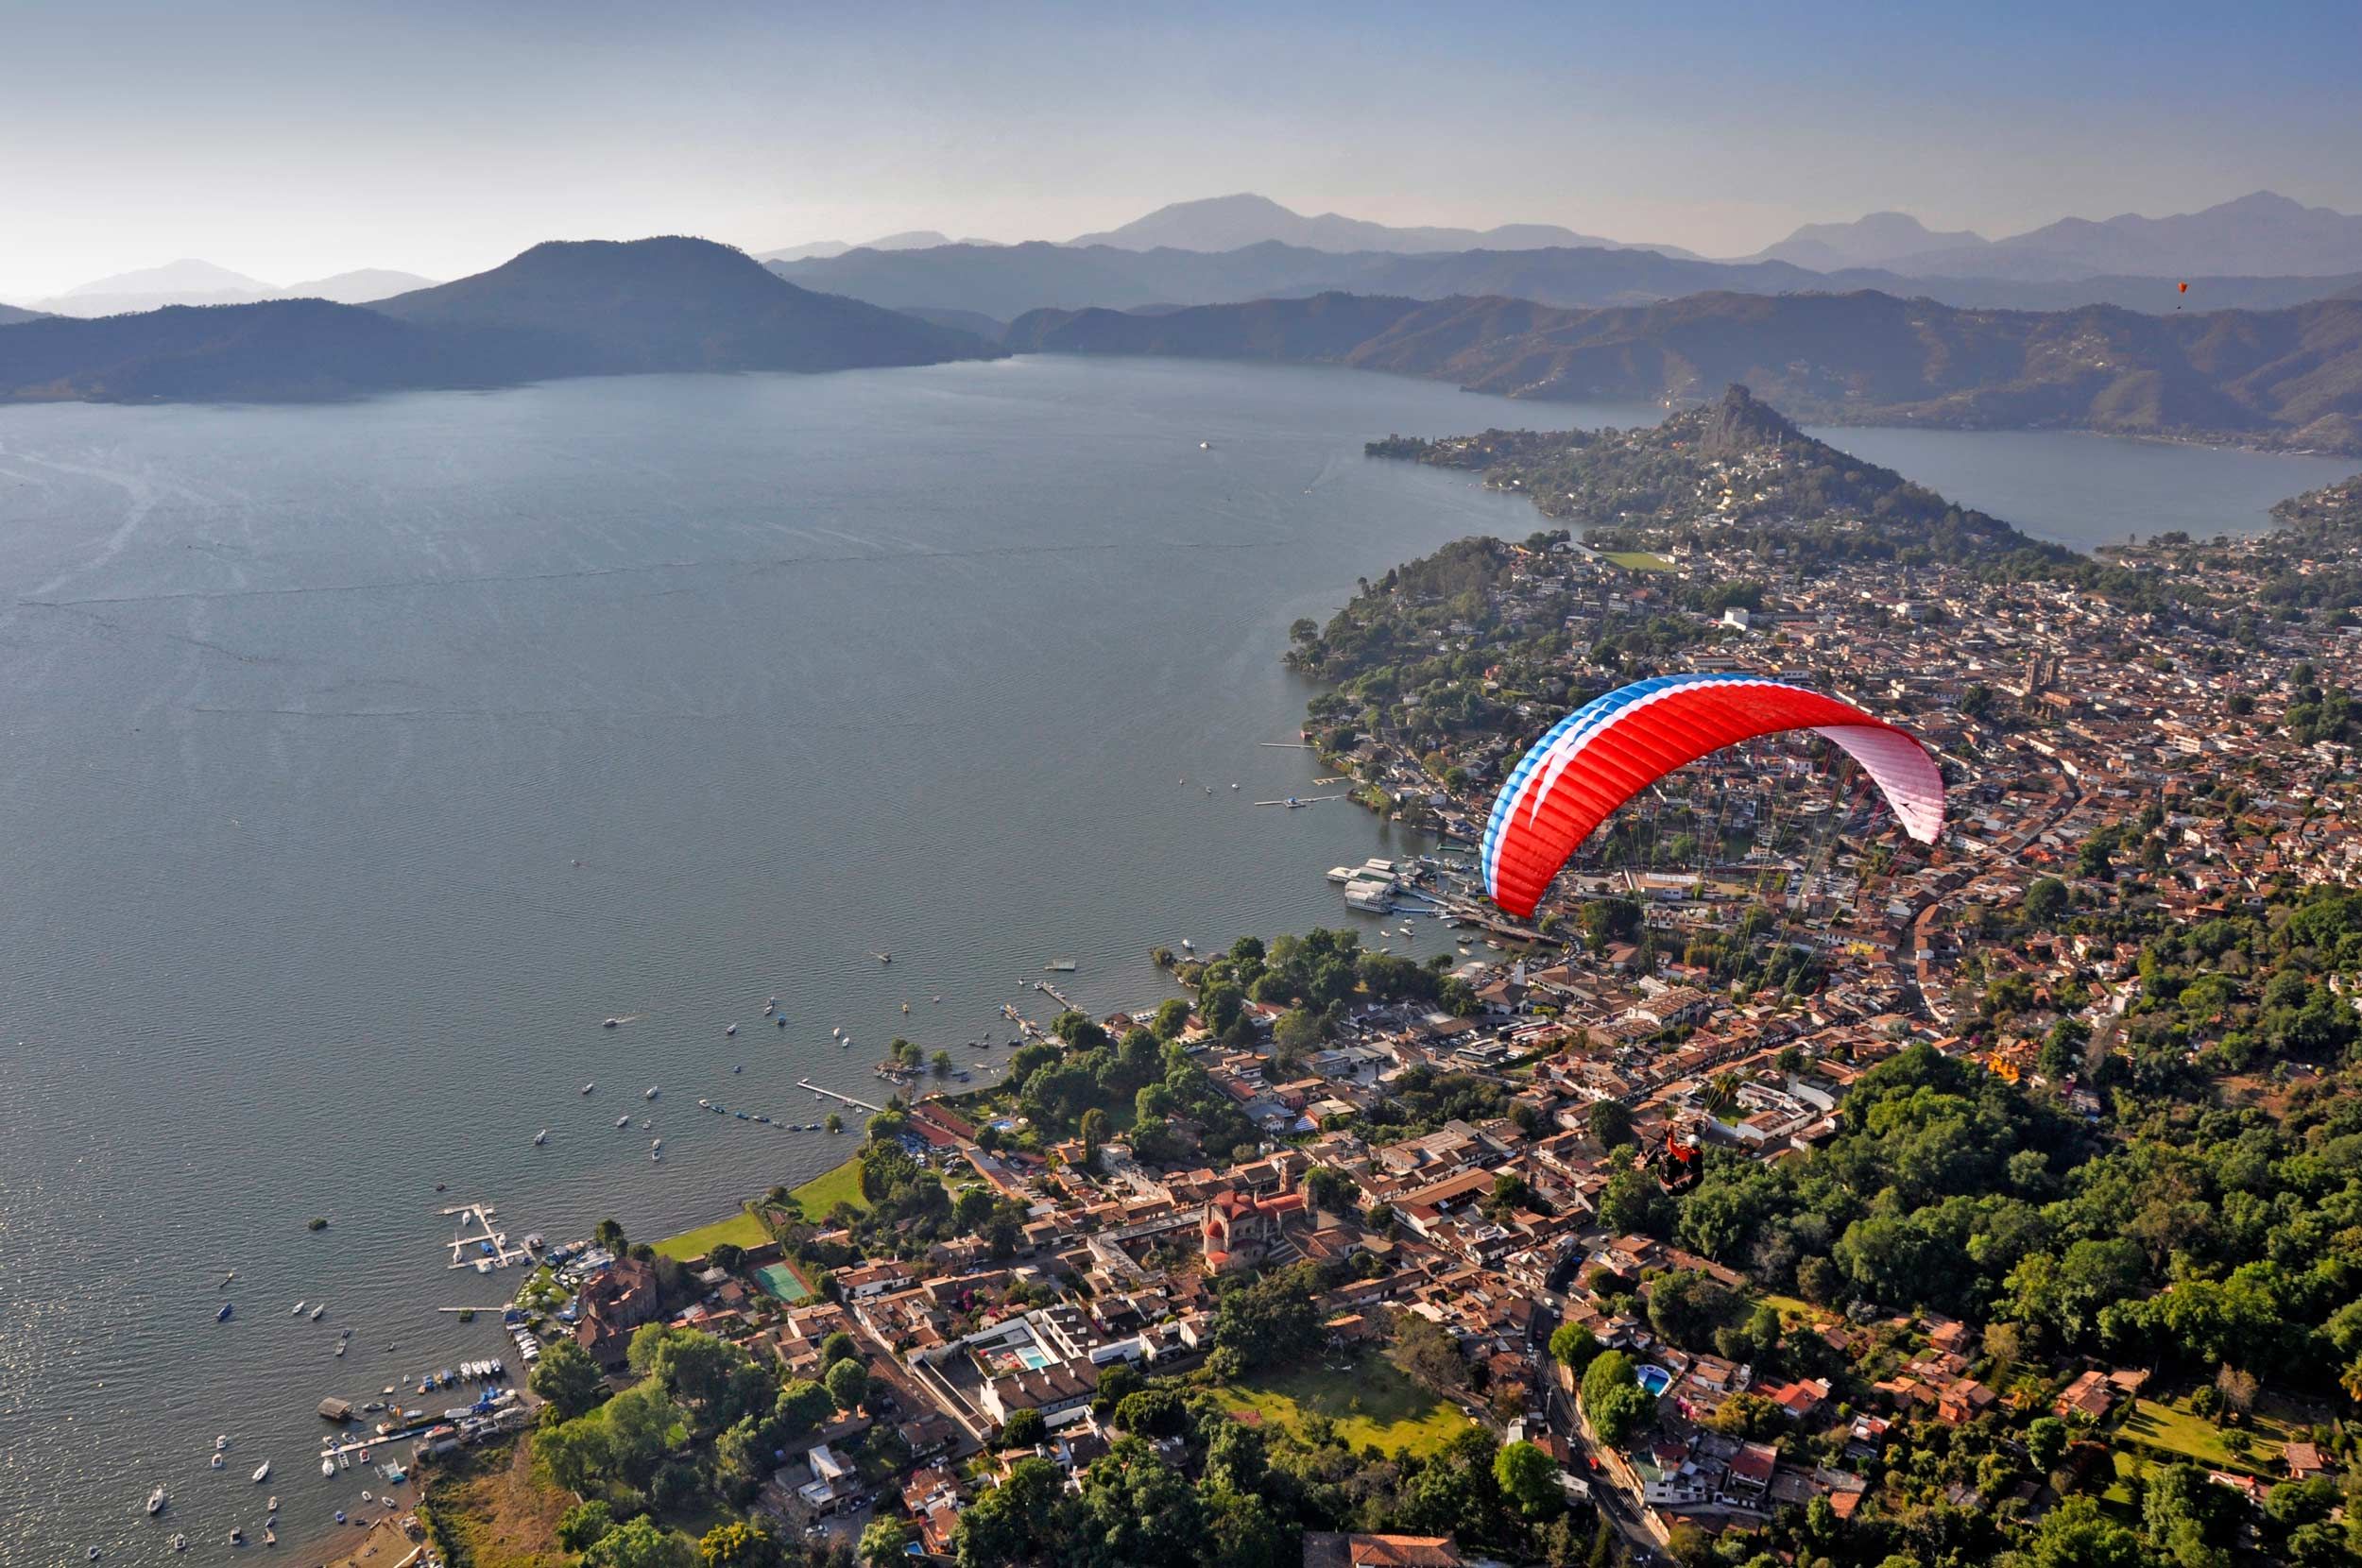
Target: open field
(2156,1425)
(1636,560)
(830,1188)
(742,1229)
(1371,1404)
(493,1508)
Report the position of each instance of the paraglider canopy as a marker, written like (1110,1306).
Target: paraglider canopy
(1614,746)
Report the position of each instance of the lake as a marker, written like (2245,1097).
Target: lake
(363,758)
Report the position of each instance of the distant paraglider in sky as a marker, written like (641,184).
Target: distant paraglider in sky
(2178,299)
(1611,748)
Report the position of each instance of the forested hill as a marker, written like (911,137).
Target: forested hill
(2285,378)
(1735,466)
(557,309)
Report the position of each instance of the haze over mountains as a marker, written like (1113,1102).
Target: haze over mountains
(2256,234)
(1228,223)
(189,281)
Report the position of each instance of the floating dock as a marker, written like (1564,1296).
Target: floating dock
(475,1231)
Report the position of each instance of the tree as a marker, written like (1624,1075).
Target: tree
(729,1257)
(848,1383)
(738,1545)
(1427,1354)
(1572,1345)
(2077,1534)
(1017,1520)
(1330,1191)
(1172,1017)
(609,1234)
(2046,900)
(881,1543)
(567,1379)
(835,1122)
(641,1542)
(838,1346)
(1528,1477)
(2046,1441)
(1610,1121)
(1613,1399)
(941,1065)
(1024,1429)
(1095,1126)
(2237,1388)
(581,1528)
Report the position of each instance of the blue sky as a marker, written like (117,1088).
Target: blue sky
(291,141)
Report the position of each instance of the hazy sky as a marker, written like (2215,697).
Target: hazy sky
(289,141)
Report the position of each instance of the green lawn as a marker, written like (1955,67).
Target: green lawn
(2174,1430)
(741,1228)
(1371,1404)
(830,1188)
(1636,560)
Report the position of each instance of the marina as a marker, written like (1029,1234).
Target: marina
(481,1247)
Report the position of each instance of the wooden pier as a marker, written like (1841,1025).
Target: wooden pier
(1055,995)
(857,1104)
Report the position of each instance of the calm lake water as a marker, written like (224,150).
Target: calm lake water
(361,760)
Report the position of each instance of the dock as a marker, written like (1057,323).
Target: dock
(856,1104)
(467,1246)
(1056,995)
(1299,800)
(1285,746)
(1025,1026)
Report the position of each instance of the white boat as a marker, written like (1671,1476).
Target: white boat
(656,1143)
(622,1121)
(318,1309)
(155,1501)
(732,1030)
(1060,966)
(651,1093)
(221,1441)
(587,1087)
(261,1472)
(180,1542)
(218,1461)
(541,1137)
(328,1467)
(1188,946)
(297,1310)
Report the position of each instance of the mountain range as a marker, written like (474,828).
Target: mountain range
(189,281)
(1232,222)
(909,239)
(2290,377)
(2262,233)
(560,309)
(1005,282)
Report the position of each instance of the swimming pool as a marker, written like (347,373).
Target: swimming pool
(1655,1379)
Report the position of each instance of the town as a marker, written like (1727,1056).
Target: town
(1785,1192)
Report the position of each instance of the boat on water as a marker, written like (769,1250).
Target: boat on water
(622,1121)
(270,1537)
(541,1137)
(261,1472)
(217,1462)
(298,1312)
(223,1316)
(155,1501)
(180,1542)
(1188,946)
(225,1279)
(317,1308)
(271,1506)
(1060,966)
(732,1030)
(656,1156)
(328,1466)
(652,1092)
(885,957)
(237,1535)
(613,1023)
(587,1087)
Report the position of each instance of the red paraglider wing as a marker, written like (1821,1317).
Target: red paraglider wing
(1613,748)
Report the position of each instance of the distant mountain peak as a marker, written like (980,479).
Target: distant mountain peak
(1246,218)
